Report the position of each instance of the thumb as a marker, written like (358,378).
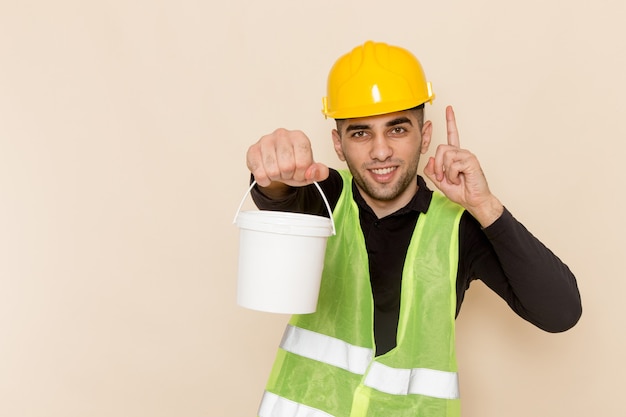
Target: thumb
(316,172)
(429,170)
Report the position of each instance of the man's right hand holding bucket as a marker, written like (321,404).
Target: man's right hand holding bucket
(284,159)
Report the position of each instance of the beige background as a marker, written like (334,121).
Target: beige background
(123,128)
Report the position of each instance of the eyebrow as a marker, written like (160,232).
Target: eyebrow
(399,121)
(351,128)
(393,122)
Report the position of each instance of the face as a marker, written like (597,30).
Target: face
(382,153)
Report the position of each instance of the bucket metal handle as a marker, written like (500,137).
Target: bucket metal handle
(330,212)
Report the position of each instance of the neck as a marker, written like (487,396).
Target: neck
(383,208)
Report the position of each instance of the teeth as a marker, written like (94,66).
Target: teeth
(383,171)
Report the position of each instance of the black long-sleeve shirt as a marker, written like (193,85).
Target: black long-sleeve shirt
(505,256)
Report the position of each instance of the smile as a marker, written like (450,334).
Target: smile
(383,171)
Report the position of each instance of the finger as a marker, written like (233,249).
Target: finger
(254,160)
(270,159)
(317,172)
(454,172)
(452,164)
(442,156)
(286,167)
(453,133)
(429,169)
(303,157)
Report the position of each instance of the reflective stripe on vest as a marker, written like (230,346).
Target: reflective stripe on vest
(396,381)
(327,349)
(429,382)
(273,405)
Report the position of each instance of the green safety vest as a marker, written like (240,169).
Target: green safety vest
(326,366)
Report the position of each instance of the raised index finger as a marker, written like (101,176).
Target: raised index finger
(453,133)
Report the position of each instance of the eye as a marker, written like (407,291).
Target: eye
(358,134)
(398,130)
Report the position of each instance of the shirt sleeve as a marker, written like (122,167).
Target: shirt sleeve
(534,282)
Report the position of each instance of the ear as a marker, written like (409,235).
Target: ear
(337,145)
(427,132)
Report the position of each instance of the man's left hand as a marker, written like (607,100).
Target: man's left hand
(457,173)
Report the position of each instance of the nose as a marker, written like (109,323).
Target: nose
(381,149)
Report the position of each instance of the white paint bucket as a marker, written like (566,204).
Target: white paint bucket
(281,258)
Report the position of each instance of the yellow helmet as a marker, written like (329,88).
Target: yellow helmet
(375,78)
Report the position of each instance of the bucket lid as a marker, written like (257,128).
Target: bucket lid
(282,222)
(285,223)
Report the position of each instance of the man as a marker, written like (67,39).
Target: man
(381,342)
